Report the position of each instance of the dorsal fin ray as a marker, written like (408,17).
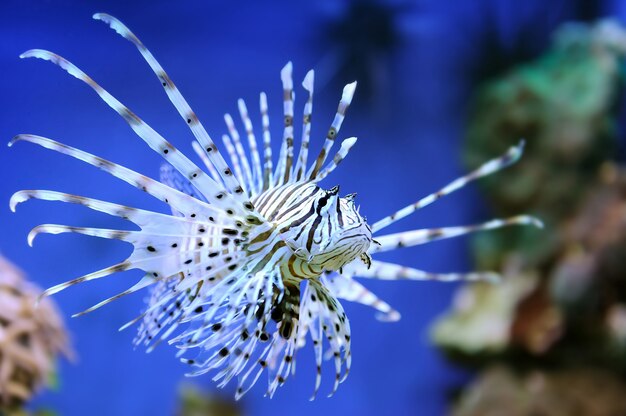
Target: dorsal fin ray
(344,103)
(180,103)
(300,168)
(285,159)
(511,156)
(197,176)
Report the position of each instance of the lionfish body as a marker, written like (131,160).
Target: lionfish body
(253,258)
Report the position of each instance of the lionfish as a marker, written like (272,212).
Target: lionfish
(254,257)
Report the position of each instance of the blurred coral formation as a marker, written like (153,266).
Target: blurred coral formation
(577,392)
(196,402)
(551,339)
(32,335)
(563,105)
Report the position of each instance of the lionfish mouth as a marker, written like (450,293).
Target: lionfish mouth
(254,257)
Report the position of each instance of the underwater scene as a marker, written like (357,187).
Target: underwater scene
(200,197)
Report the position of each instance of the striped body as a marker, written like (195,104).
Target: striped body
(320,230)
(254,257)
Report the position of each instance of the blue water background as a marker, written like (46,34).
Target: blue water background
(409,120)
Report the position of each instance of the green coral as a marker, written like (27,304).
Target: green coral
(562,105)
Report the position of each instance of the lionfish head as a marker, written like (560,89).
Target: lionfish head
(350,237)
(355,232)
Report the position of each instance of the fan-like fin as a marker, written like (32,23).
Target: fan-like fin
(268,177)
(256,183)
(209,188)
(285,159)
(246,180)
(300,168)
(207,162)
(344,103)
(169,176)
(320,305)
(416,237)
(344,287)
(234,157)
(134,237)
(346,145)
(494,165)
(182,107)
(389,271)
(119,267)
(145,281)
(185,204)
(148,221)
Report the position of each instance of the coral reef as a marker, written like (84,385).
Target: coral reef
(488,319)
(550,339)
(562,105)
(195,402)
(31,336)
(577,392)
